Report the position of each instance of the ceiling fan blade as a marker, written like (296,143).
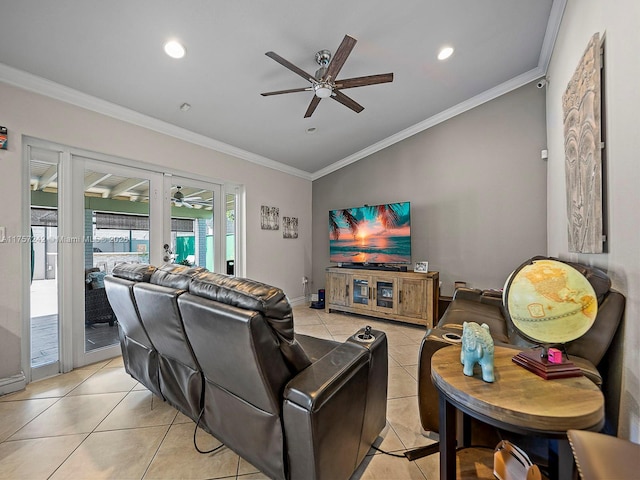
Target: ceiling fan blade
(347,101)
(290,66)
(364,81)
(291,90)
(312,106)
(181,203)
(340,57)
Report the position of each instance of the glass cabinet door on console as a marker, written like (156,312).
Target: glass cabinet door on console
(361,291)
(371,292)
(385,295)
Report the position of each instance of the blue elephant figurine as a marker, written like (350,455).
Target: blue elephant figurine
(477,347)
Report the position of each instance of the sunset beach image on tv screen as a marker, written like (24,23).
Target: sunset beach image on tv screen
(376,234)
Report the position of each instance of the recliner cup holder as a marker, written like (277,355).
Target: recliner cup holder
(366,336)
(452,337)
(361,338)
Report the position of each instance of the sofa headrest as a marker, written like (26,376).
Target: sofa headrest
(242,293)
(136,272)
(598,279)
(175,276)
(269,301)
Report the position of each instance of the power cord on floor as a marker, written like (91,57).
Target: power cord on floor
(425,451)
(194,438)
(387,453)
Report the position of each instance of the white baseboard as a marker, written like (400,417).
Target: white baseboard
(13,383)
(295,302)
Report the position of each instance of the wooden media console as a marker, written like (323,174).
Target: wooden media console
(392,295)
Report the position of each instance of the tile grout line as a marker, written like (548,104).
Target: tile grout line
(94,428)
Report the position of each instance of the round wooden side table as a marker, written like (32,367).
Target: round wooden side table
(518,401)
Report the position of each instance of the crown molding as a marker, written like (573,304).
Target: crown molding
(462,107)
(553,27)
(39,85)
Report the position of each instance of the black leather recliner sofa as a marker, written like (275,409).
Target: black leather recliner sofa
(222,350)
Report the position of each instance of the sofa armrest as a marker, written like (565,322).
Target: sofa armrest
(323,413)
(428,402)
(318,383)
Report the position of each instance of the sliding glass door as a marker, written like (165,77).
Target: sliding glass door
(122,220)
(87,213)
(44,324)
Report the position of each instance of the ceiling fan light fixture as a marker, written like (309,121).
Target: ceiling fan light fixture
(445,53)
(174,49)
(323,90)
(325,83)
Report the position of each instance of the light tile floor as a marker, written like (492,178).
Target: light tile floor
(97,422)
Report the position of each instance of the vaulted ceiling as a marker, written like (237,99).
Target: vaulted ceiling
(108,56)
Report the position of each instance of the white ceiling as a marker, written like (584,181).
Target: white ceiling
(105,55)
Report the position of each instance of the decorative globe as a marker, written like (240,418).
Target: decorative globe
(550,302)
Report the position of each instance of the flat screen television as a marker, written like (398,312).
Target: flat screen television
(371,234)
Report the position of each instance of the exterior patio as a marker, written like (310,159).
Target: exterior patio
(44,326)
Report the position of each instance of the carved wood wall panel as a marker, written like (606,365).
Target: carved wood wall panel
(583,159)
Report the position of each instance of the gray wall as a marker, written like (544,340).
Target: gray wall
(617,22)
(477,188)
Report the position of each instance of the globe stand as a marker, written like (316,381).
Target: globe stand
(536,360)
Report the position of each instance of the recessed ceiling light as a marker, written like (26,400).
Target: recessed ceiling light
(174,49)
(311,130)
(184,107)
(445,53)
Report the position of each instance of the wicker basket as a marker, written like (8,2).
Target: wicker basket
(97,308)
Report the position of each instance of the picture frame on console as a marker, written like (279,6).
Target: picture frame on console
(422,267)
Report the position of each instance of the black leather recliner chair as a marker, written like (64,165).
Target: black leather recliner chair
(222,350)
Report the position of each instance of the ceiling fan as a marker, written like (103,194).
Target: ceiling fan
(180,200)
(324,83)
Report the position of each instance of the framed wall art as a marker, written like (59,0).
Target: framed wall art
(289,227)
(269,218)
